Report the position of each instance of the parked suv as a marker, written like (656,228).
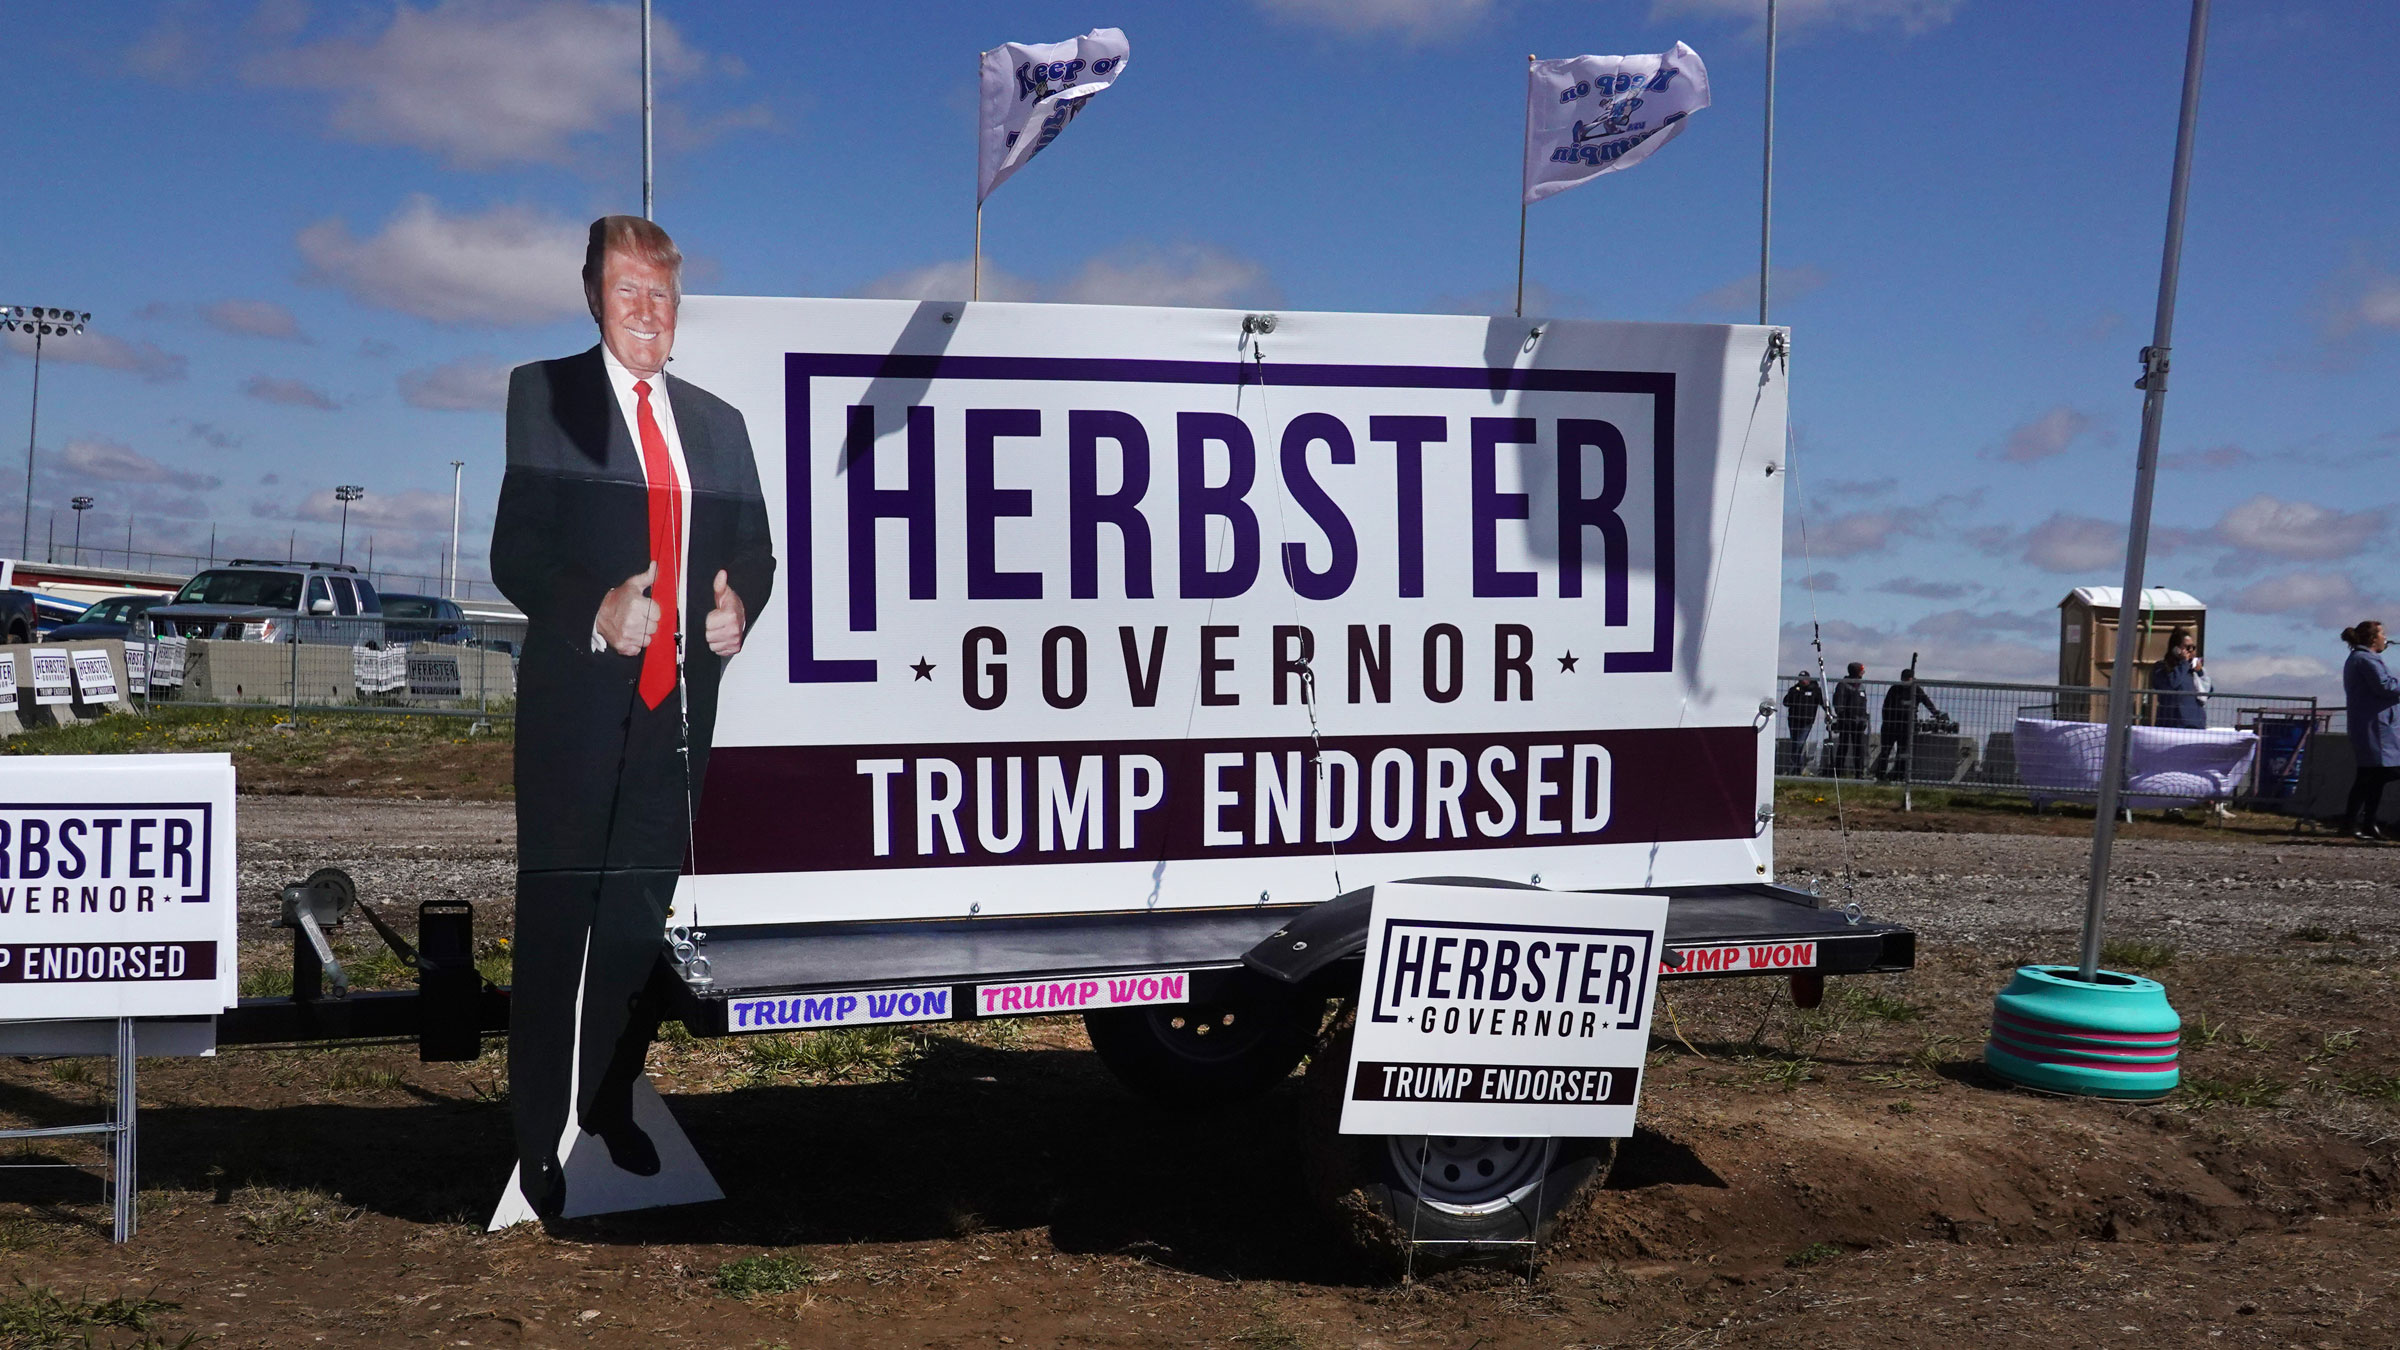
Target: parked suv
(261,601)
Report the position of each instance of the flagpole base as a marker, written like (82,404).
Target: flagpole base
(2114,1036)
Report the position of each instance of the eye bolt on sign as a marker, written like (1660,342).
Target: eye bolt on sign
(1503,1012)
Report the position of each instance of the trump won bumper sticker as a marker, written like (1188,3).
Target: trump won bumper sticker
(1503,1012)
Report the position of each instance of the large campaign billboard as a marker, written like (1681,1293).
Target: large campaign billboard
(1095,608)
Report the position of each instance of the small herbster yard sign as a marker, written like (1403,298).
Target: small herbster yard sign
(116,886)
(1492,1011)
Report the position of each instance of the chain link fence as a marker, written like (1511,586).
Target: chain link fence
(364,663)
(2046,741)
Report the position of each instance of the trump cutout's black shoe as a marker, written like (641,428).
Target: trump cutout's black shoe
(628,1147)
(543,1183)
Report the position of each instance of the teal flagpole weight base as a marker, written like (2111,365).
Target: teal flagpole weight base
(2113,1036)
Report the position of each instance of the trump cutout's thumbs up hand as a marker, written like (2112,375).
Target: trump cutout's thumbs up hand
(627,616)
(727,619)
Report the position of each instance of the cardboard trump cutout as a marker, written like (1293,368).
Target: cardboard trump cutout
(632,533)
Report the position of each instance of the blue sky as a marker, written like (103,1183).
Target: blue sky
(313,238)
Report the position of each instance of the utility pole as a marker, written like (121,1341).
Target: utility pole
(42,322)
(458,469)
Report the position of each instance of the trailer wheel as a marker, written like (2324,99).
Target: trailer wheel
(1458,1201)
(1228,1047)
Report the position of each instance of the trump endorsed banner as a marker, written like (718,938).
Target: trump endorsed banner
(1087,608)
(116,886)
(1532,1017)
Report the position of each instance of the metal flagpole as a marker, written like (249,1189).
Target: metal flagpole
(2153,385)
(646,110)
(1530,58)
(975,267)
(458,469)
(1766,190)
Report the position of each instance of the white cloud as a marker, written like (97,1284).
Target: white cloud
(1416,19)
(2363,299)
(146,359)
(2044,436)
(2301,530)
(471,384)
(1175,274)
(253,318)
(290,393)
(1817,583)
(411,510)
(1741,293)
(2271,672)
(112,462)
(1845,536)
(2332,599)
(508,265)
(1909,16)
(2068,543)
(483,82)
(1200,275)
(1885,652)
(947,281)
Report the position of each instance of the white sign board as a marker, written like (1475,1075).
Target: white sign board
(8,682)
(1493,1012)
(116,886)
(1099,608)
(167,670)
(53,676)
(137,667)
(95,674)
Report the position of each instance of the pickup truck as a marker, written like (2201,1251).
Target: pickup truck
(254,600)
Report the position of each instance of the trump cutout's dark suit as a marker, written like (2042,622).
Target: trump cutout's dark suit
(605,784)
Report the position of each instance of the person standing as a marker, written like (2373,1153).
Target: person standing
(1900,703)
(1801,704)
(2372,694)
(632,533)
(2179,684)
(1849,723)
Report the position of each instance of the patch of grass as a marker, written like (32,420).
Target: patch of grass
(1787,1074)
(1876,1005)
(754,1276)
(2335,1045)
(270,1216)
(273,980)
(2201,1033)
(1935,1052)
(2137,954)
(353,1074)
(36,1318)
(1812,1254)
(376,968)
(2375,1087)
(2255,1090)
(1902,1108)
(842,1055)
(76,1072)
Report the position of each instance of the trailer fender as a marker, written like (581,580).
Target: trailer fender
(1318,937)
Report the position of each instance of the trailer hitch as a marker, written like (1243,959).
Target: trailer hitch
(450,990)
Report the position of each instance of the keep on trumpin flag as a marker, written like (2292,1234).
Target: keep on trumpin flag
(1032,90)
(1590,115)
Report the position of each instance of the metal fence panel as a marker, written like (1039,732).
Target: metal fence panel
(365,663)
(2044,740)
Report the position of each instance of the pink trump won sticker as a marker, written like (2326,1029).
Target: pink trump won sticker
(1097,991)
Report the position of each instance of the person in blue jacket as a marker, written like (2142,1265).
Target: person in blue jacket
(2178,684)
(2373,695)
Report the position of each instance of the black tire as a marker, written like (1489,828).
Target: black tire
(1226,1048)
(1457,1201)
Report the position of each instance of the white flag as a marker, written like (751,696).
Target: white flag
(1032,90)
(1588,115)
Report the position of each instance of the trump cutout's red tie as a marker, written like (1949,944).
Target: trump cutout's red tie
(666,550)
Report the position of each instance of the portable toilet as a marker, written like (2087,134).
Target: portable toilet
(2087,637)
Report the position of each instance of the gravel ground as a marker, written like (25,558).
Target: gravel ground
(2201,896)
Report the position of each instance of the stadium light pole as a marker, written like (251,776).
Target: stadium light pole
(81,505)
(346,494)
(458,470)
(42,322)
